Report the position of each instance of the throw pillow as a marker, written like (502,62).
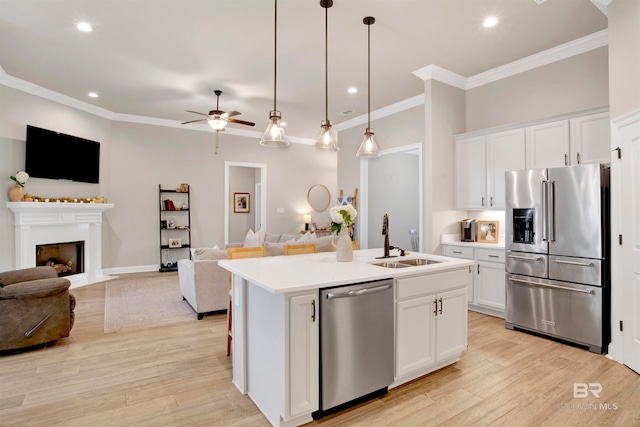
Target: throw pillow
(287,237)
(308,237)
(275,249)
(204,254)
(324,243)
(253,239)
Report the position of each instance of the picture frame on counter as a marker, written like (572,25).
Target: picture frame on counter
(488,232)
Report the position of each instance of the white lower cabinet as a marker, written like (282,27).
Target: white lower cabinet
(431,322)
(487,291)
(303,355)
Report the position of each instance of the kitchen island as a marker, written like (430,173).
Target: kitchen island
(276,313)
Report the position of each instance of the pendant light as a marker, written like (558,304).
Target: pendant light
(368,147)
(274,135)
(327,138)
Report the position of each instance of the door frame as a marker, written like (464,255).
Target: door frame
(227,193)
(363,224)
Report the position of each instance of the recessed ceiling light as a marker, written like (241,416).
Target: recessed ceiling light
(490,21)
(83,26)
(93,94)
(352,90)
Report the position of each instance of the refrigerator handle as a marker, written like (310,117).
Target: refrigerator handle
(544,214)
(552,211)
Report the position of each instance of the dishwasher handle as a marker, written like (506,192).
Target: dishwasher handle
(359,292)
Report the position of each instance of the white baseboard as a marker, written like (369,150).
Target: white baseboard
(131,269)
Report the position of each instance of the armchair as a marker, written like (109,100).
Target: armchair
(35,307)
(203,283)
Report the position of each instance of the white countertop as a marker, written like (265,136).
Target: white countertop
(282,274)
(454,240)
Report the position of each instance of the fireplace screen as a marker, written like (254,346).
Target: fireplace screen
(66,258)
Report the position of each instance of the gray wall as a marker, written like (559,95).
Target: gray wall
(242,180)
(573,84)
(624,59)
(397,130)
(135,158)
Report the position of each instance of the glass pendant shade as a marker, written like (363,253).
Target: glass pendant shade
(368,147)
(217,123)
(327,138)
(274,136)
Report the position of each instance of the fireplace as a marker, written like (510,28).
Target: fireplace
(46,225)
(66,258)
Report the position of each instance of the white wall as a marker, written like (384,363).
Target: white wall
(135,158)
(241,180)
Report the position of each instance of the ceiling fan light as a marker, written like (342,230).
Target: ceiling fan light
(327,138)
(217,123)
(274,135)
(368,148)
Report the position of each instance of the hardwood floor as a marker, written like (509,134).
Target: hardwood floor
(179,375)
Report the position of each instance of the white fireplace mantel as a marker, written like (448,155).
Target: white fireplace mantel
(41,223)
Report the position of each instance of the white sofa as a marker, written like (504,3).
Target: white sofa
(204,284)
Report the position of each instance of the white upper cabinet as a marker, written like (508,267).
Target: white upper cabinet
(505,152)
(590,139)
(470,173)
(481,162)
(548,145)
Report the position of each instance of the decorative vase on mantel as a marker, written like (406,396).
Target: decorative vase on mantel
(16,193)
(344,246)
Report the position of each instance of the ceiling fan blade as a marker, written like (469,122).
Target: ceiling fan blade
(232,113)
(193,121)
(242,122)
(195,112)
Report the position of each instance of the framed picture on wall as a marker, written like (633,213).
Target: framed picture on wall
(241,203)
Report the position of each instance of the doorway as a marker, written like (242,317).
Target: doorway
(392,184)
(240,177)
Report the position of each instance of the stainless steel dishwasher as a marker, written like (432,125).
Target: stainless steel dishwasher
(356,343)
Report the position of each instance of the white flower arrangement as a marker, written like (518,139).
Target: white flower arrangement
(20,178)
(342,216)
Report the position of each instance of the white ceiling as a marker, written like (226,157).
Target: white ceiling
(158,58)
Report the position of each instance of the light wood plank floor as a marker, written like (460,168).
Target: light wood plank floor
(178,375)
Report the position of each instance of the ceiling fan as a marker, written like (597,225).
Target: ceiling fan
(218,119)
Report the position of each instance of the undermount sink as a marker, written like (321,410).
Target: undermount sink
(391,264)
(419,261)
(406,263)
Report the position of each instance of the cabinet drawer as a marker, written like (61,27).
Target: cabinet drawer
(457,252)
(431,283)
(491,255)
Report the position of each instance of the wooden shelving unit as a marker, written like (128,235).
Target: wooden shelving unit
(174,227)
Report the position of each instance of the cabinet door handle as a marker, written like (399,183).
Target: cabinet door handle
(478,268)
(491,201)
(578,157)
(483,202)
(313,311)
(457,252)
(435,306)
(566,159)
(440,305)
(494,256)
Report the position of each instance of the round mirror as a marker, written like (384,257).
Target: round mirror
(319,198)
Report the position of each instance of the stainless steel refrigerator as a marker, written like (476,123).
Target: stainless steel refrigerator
(557,261)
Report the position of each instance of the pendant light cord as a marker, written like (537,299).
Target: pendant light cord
(368,76)
(326,63)
(275,53)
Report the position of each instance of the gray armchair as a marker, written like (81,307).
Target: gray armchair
(35,307)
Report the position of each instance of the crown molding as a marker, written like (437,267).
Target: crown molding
(389,110)
(558,53)
(33,89)
(433,72)
(602,5)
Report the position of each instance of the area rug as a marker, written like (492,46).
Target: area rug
(144,301)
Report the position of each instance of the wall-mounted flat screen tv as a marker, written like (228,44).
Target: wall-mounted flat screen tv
(56,155)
